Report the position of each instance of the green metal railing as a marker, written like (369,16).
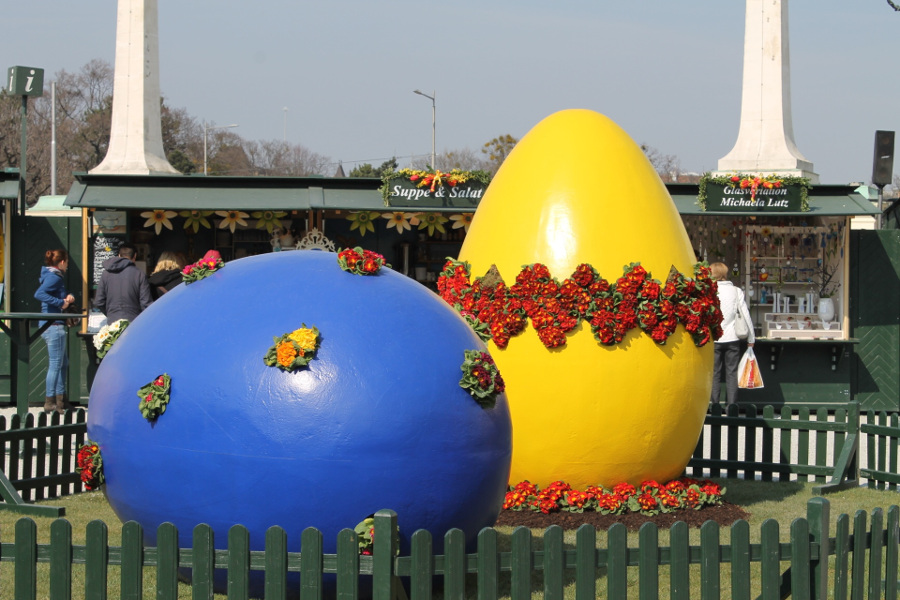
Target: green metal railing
(860,559)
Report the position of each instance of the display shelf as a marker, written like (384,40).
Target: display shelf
(431,255)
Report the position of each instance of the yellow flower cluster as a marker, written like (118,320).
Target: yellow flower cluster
(305,338)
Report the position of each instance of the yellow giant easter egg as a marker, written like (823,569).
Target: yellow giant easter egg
(577,189)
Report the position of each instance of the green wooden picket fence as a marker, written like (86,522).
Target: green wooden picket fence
(859,560)
(783,445)
(38,460)
(882,436)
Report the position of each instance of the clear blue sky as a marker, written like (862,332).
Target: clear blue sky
(668,72)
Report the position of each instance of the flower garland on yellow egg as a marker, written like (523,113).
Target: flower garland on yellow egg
(612,309)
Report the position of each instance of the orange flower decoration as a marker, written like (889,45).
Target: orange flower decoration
(286,354)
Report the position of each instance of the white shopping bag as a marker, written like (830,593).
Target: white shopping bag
(749,377)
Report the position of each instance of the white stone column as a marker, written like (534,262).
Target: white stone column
(765,141)
(135,144)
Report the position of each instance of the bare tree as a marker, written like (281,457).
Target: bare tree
(275,157)
(666,165)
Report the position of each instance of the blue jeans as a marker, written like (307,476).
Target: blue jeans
(58,359)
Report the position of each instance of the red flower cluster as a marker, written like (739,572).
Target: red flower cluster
(755,182)
(432,180)
(360,262)
(612,310)
(649,498)
(89,465)
(200,269)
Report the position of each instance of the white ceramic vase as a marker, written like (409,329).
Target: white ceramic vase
(826,309)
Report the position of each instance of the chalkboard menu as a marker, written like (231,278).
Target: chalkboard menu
(104,247)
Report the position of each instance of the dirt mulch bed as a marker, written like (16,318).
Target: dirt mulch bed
(724,514)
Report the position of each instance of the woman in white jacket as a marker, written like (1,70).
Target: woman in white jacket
(728,347)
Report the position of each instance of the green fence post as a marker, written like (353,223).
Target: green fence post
(421,566)
(275,579)
(384,548)
(585,563)
(96,560)
(203,562)
(347,565)
(648,562)
(25,568)
(801,583)
(710,581)
(770,560)
(521,562)
(489,563)
(60,559)
(167,557)
(740,560)
(858,578)
(875,551)
(132,561)
(553,563)
(818,515)
(892,550)
(841,557)
(311,564)
(238,563)
(455,565)
(680,563)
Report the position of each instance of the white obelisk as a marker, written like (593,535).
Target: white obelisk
(135,143)
(765,143)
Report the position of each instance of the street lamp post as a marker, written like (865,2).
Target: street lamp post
(284,138)
(206,130)
(431,97)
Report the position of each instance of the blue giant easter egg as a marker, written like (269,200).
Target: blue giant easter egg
(376,420)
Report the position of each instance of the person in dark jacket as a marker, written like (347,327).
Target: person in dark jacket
(166,275)
(55,299)
(123,291)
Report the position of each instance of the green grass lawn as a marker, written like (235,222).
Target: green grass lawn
(783,502)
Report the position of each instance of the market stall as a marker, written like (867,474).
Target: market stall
(790,252)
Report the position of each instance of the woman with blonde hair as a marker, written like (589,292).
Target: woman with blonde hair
(728,347)
(166,275)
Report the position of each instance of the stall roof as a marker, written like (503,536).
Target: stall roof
(9,184)
(52,206)
(198,192)
(824,201)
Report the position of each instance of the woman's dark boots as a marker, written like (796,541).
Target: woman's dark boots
(49,404)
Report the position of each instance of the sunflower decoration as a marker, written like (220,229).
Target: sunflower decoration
(159,219)
(195,219)
(399,220)
(362,220)
(270,219)
(463,220)
(293,351)
(433,221)
(232,218)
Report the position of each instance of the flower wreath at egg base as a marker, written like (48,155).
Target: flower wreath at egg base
(635,300)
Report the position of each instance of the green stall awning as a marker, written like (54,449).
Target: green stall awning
(181,192)
(824,201)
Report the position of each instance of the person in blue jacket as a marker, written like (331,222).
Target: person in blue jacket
(55,299)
